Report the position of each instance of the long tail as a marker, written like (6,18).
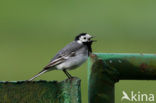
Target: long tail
(43,71)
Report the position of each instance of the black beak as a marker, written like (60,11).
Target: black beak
(93,40)
(92,37)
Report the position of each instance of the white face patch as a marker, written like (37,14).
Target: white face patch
(84,38)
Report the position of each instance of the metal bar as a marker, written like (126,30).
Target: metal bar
(108,68)
(67,91)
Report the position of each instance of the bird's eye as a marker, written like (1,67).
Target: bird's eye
(84,37)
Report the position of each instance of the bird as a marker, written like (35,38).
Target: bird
(71,56)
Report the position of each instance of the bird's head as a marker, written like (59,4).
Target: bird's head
(84,38)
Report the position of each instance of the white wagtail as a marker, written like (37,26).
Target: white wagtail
(71,56)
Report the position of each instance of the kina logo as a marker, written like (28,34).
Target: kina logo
(137,96)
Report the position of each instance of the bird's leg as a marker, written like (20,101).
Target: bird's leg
(68,75)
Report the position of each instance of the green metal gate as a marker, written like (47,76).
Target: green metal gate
(105,69)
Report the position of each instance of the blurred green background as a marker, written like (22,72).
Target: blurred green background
(32,31)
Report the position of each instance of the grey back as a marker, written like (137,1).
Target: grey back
(71,47)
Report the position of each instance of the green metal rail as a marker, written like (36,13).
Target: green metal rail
(105,69)
(67,91)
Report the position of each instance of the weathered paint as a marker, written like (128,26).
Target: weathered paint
(108,68)
(67,91)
